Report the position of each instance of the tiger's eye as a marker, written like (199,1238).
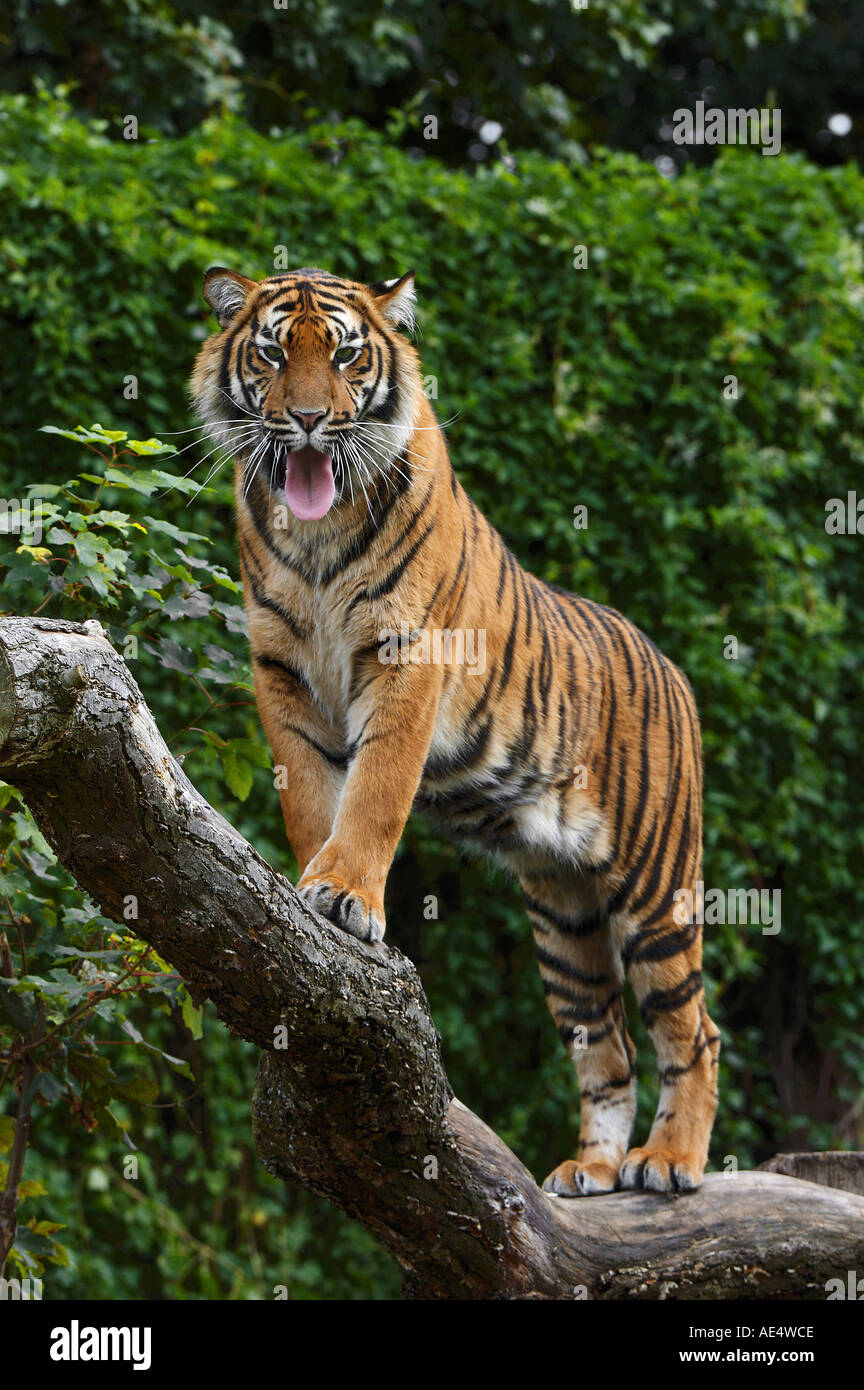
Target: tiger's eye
(344,355)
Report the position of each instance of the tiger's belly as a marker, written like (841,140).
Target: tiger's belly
(516,811)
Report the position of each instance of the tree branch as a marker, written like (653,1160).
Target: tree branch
(352,1099)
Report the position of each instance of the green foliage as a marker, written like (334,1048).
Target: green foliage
(290,62)
(605,387)
(141,574)
(80,984)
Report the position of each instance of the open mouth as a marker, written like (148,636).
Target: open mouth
(306,478)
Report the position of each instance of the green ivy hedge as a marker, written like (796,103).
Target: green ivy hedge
(697,386)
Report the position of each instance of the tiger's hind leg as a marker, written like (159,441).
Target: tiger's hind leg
(583,978)
(664,967)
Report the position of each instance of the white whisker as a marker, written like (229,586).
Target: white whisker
(237,404)
(195,465)
(220,463)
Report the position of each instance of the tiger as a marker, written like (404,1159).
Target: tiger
(570,754)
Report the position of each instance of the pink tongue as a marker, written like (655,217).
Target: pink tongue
(309,485)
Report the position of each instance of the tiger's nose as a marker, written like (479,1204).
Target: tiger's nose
(308,418)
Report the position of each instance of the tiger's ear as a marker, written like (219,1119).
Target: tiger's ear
(226,292)
(395,299)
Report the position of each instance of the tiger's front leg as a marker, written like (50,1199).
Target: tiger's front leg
(390,729)
(307,758)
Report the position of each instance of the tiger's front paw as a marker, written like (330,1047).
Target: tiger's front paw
(355,911)
(659,1169)
(571,1179)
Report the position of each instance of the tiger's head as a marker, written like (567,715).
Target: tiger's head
(308,384)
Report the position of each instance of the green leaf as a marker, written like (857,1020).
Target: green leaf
(17,1009)
(151,447)
(149,480)
(176,658)
(238,772)
(87,548)
(49,1087)
(31,1187)
(32,1243)
(79,434)
(193,1017)
(143,1090)
(115,436)
(254,751)
(176,1062)
(166,528)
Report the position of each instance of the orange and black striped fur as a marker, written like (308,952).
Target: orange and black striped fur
(572,757)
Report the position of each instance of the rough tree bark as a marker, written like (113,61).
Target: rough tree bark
(357,1103)
(837,1168)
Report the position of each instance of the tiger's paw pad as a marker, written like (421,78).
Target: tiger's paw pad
(661,1170)
(345,907)
(571,1179)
